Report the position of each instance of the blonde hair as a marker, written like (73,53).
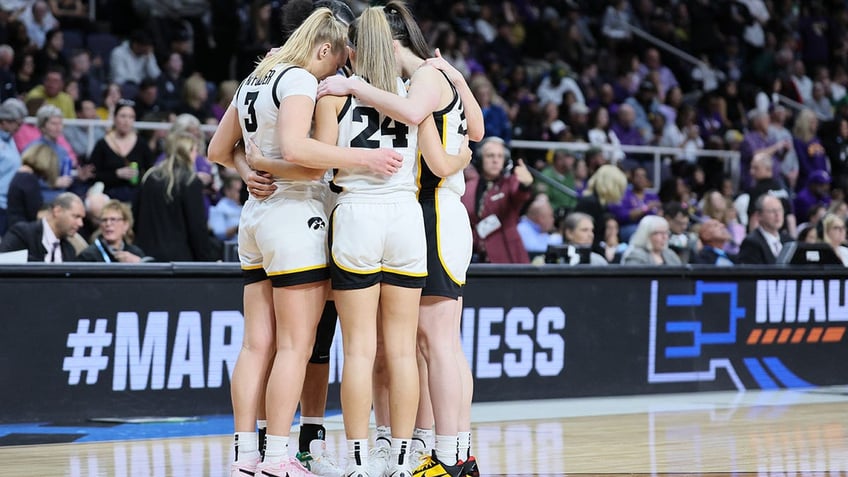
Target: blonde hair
(608,184)
(44,162)
(372,37)
(803,129)
(320,27)
(177,169)
(126,214)
(829,221)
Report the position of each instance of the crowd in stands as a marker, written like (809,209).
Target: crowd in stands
(565,71)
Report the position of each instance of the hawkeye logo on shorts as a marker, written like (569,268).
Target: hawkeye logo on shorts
(316,223)
(762,334)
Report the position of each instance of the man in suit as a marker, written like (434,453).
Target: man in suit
(763,245)
(46,239)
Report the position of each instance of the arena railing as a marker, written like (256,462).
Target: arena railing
(730,159)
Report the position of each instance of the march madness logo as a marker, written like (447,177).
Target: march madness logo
(764,334)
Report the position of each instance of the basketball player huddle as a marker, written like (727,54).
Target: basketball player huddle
(354,211)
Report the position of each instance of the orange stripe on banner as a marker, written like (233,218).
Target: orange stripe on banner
(754,337)
(784,335)
(798,336)
(814,335)
(769,335)
(833,334)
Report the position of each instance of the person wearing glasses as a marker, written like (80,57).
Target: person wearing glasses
(114,243)
(834,235)
(649,244)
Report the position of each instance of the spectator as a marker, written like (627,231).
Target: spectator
(602,135)
(121,158)
(678,227)
(495,118)
(808,233)
(8,84)
(808,147)
(12,113)
(147,99)
(170,221)
(561,171)
(133,60)
(778,133)
(50,125)
(226,91)
(605,187)
(649,244)
(645,106)
(52,56)
(25,79)
(652,64)
(761,172)
(111,95)
(47,239)
(189,124)
(714,238)
(555,85)
(536,227)
(817,192)
(38,171)
(820,103)
(114,245)
(834,235)
(170,82)
(494,197)
(51,90)
(579,232)
(224,216)
(626,130)
(78,136)
(763,245)
(734,227)
(637,202)
(611,248)
(195,97)
(89,79)
(38,21)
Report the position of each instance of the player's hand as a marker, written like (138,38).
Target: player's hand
(464,152)
(441,64)
(260,184)
(335,85)
(384,161)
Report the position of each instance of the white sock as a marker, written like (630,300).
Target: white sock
(276,448)
(463,445)
(357,451)
(246,446)
(400,451)
(384,436)
(318,421)
(422,438)
(262,424)
(446,449)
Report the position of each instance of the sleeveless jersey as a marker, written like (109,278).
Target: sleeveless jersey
(364,126)
(452,126)
(258,102)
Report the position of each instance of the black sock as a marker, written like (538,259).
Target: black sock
(309,432)
(262,432)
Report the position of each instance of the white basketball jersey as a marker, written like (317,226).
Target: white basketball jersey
(258,102)
(363,126)
(452,127)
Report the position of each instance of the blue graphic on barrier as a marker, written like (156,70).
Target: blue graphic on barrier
(699,338)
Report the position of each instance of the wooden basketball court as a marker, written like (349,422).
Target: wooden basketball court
(762,433)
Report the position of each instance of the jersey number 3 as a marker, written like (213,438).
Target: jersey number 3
(390,128)
(250,123)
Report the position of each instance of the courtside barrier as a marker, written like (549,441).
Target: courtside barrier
(99,341)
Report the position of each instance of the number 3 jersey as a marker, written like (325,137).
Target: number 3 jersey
(258,103)
(363,126)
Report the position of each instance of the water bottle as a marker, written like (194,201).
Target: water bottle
(134,166)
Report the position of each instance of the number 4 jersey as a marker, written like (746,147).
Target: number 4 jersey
(364,126)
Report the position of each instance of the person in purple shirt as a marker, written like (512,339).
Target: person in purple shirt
(817,192)
(758,139)
(636,203)
(809,149)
